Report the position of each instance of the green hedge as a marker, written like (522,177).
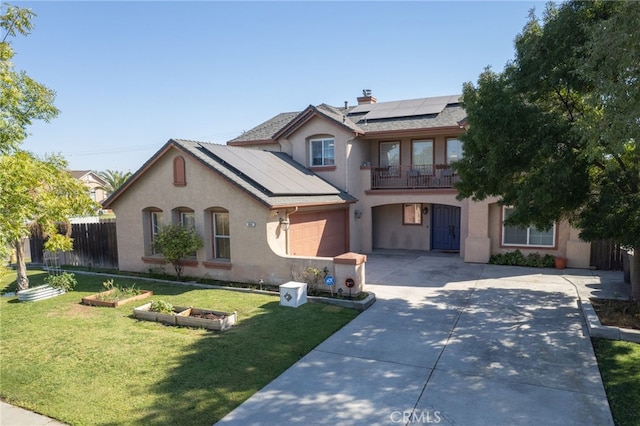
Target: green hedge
(516,258)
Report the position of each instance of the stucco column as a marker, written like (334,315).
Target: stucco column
(477,244)
(578,251)
(349,266)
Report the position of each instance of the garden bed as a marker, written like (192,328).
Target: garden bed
(206,318)
(144,312)
(188,317)
(104,299)
(617,313)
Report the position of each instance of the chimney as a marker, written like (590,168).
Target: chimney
(366,98)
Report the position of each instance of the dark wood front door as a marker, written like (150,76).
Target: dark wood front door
(445,228)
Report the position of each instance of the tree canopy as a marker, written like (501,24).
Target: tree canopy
(114,179)
(38,192)
(555,134)
(22,99)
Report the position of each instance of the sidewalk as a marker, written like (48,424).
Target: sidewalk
(15,416)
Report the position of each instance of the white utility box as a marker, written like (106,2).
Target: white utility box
(293,294)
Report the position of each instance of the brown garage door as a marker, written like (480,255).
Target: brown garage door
(318,233)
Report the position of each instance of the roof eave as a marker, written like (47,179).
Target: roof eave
(419,131)
(250,142)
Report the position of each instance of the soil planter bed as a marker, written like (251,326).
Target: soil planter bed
(144,312)
(189,317)
(39,293)
(205,318)
(98,298)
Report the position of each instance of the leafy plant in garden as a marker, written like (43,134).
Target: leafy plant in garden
(64,281)
(161,306)
(114,292)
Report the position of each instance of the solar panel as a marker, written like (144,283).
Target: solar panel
(407,108)
(271,172)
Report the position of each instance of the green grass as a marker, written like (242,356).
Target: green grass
(88,365)
(619,364)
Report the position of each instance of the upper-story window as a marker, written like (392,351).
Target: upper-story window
(323,152)
(526,236)
(389,154)
(455,150)
(422,156)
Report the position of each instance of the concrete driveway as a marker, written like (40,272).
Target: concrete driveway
(447,343)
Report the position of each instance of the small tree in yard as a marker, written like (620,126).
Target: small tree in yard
(175,242)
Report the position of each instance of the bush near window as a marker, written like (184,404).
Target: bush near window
(516,258)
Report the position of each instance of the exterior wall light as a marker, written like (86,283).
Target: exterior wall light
(284,223)
(357,214)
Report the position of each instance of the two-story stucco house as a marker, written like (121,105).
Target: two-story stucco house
(395,158)
(305,187)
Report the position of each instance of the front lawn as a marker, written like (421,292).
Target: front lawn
(619,364)
(89,365)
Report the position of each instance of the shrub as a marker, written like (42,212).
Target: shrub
(516,258)
(64,281)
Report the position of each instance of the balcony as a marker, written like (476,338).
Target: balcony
(413,177)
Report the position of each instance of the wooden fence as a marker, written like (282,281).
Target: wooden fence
(94,245)
(607,255)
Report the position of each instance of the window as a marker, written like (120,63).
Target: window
(188,219)
(179,172)
(412,214)
(323,152)
(455,150)
(220,235)
(422,155)
(529,236)
(155,219)
(389,154)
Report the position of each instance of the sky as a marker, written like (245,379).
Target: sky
(129,76)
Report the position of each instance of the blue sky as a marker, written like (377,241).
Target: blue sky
(131,75)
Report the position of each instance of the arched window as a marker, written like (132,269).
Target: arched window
(179,172)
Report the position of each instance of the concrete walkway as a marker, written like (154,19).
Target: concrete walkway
(448,343)
(16,416)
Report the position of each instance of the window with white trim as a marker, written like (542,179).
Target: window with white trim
(221,238)
(323,152)
(529,236)
(155,220)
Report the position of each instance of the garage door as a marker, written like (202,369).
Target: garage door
(318,233)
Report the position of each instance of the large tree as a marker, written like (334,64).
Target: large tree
(36,192)
(556,134)
(33,191)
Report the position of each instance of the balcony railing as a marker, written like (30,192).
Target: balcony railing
(413,177)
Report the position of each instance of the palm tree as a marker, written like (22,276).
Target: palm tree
(114,179)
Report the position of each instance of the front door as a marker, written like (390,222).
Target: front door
(445,228)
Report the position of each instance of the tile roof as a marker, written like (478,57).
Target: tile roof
(355,118)
(266,130)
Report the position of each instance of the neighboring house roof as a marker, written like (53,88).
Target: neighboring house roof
(411,114)
(81,174)
(272,178)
